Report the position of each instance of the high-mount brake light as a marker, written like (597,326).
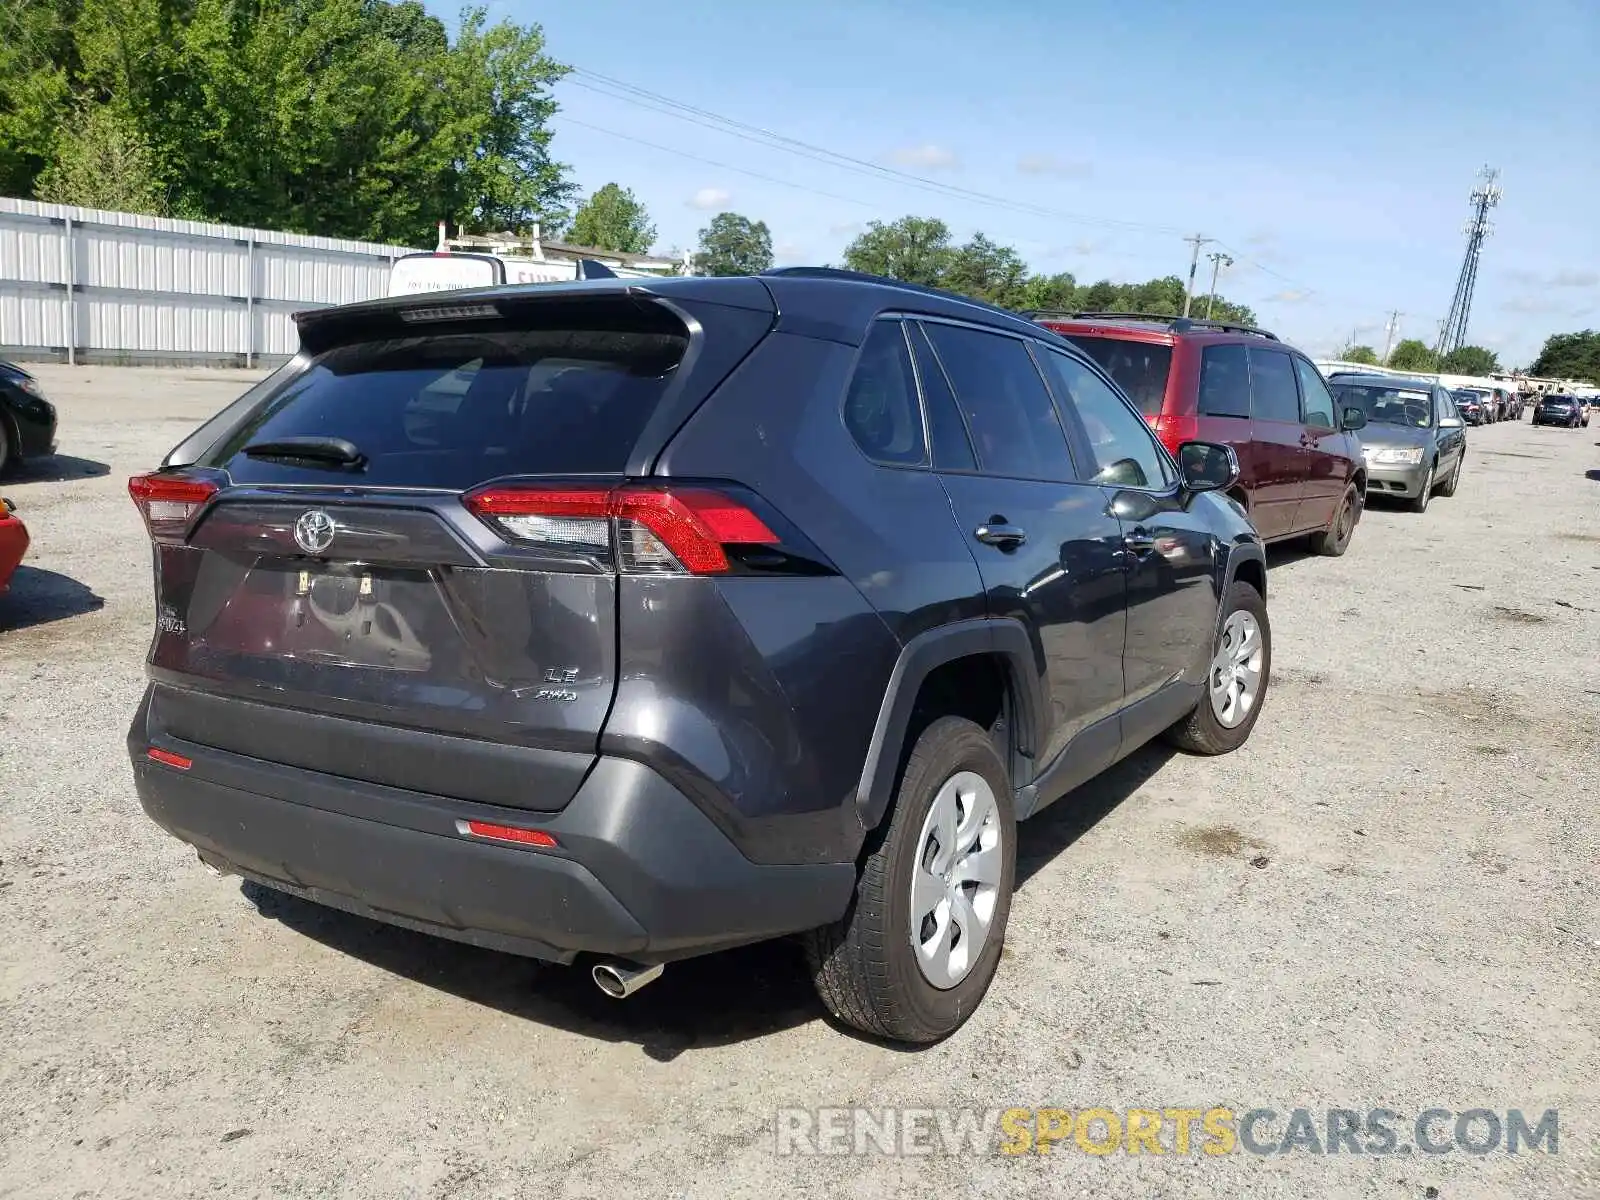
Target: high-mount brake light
(169,504)
(449,312)
(658,531)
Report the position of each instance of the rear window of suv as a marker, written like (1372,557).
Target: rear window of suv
(450,410)
(1139,368)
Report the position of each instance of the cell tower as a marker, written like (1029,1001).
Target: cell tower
(1453,333)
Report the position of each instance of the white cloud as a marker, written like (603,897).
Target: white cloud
(846,227)
(1534,305)
(1049,164)
(927,156)
(1291,296)
(1557,279)
(789,251)
(1574,279)
(710,197)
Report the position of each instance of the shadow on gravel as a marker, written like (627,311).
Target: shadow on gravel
(701,1003)
(58,469)
(1594,475)
(1287,554)
(1044,837)
(39,597)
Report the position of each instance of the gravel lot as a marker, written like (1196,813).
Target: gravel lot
(1386,899)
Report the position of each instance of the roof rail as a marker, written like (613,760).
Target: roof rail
(1177,324)
(890,281)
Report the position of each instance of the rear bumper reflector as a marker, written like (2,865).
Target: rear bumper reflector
(506,833)
(168,759)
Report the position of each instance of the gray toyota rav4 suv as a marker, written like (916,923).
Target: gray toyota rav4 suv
(622,622)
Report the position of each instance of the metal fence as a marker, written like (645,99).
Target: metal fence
(82,285)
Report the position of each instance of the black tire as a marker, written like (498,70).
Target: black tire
(1448,487)
(1420,503)
(1335,539)
(5,446)
(863,966)
(1200,732)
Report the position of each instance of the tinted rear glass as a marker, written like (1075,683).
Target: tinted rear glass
(1139,368)
(451,410)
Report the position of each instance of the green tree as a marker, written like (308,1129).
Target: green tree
(1413,355)
(1049,293)
(734,245)
(1359,354)
(1470,360)
(613,219)
(1570,356)
(986,271)
(102,161)
(912,249)
(37,57)
(355,118)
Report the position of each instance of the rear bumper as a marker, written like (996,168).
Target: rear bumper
(641,872)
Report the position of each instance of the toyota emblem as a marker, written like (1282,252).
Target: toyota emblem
(313,532)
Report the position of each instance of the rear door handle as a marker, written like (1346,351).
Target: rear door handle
(1007,537)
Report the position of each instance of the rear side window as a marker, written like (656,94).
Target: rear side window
(952,450)
(451,410)
(1224,382)
(1014,427)
(1140,369)
(880,409)
(1273,394)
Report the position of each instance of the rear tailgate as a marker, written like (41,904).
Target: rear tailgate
(352,616)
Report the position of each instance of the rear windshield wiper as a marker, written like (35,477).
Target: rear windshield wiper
(334,451)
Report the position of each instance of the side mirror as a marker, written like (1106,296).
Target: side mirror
(1208,466)
(1353,419)
(1450,422)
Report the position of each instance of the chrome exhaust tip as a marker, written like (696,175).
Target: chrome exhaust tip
(619,980)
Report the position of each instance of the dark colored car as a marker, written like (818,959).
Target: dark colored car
(1471,406)
(634,621)
(27,419)
(13,541)
(1301,468)
(1560,410)
(1414,441)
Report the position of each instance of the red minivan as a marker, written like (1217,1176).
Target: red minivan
(1301,468)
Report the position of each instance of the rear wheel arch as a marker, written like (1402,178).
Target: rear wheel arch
(985,670)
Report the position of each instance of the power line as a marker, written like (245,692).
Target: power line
(654,101)
(711,162)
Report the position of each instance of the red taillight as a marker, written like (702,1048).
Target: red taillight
(507,833)
(168,759)
(657,530)
(1176,430)
(169,503)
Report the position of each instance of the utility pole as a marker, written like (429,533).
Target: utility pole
(1218,261)
(1198,240)
(1390,328)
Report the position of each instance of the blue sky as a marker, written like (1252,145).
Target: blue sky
(1330,148)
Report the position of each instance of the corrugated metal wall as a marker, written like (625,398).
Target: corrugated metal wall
(85,285)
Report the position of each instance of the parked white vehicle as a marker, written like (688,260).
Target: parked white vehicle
(450,270)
